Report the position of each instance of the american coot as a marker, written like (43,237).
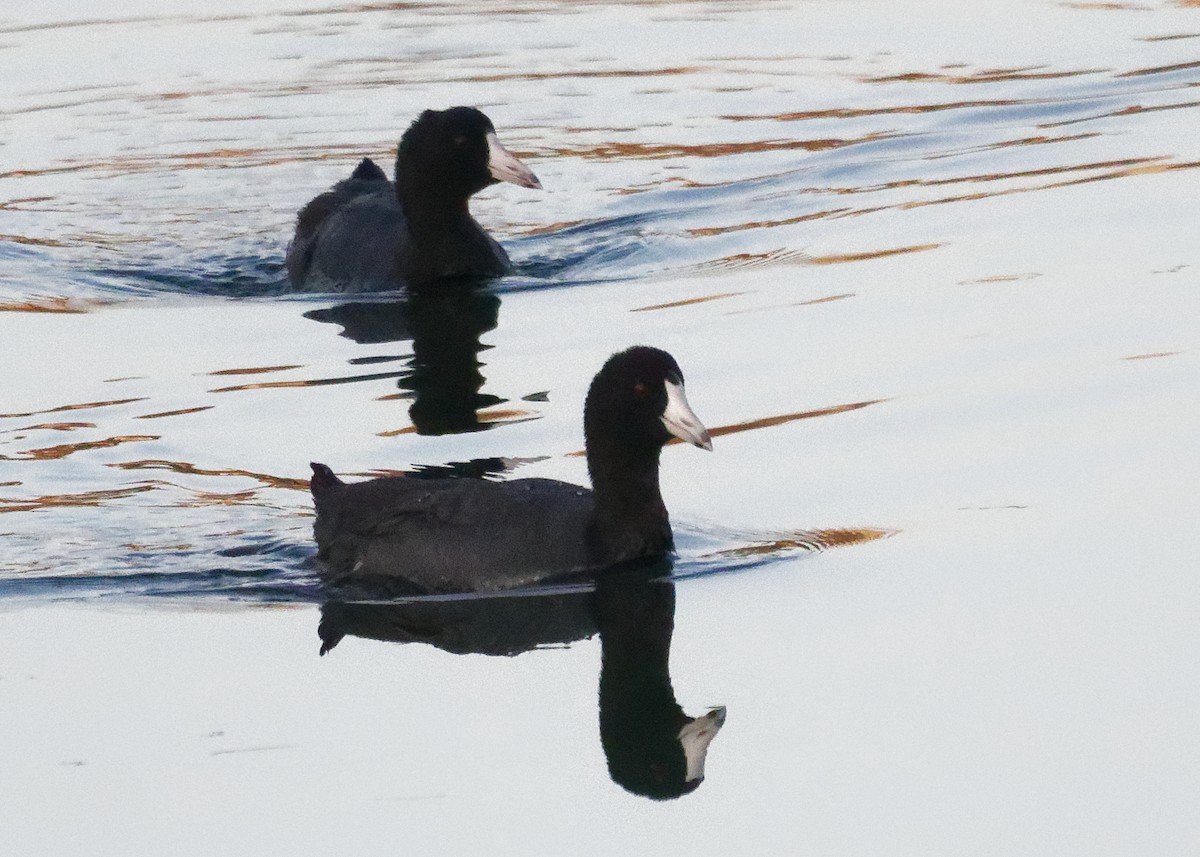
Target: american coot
(368,234)
(463,535)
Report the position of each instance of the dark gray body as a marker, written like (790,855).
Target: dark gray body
(356,238)
(453,535)
(469,535)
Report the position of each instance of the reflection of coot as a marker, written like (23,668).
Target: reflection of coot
(653,748)
(445,325)
(485,626)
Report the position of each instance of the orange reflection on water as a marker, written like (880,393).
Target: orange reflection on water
(54,427)
(661,151)
(71,306)
(993,75)
(776,307)
(768,422)
(871,254)
(87,498)
(809,540)
(859,112)
(49,453)
(556,75)
(1161,69)
(765,224)
(1152,356)
(257,370)
(34,242)
(1001,278)
(82,407)
(687,302)
(398,432)
(310,382)
(201,499)
(176,413)
(184,467)
(781,419)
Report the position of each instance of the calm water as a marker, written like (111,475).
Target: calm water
(931,271)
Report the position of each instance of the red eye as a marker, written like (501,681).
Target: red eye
(640,390)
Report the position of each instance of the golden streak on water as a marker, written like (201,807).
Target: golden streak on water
(1104,6)
(506,415)
(496,417)
(257,370)
(768,422)
(764,224)
(1001,278)
(1152,356)
(1170,38)
(548,228)
(856,113)
(825,300)
(54,427)
(660,151)
(782,419)
(397,432)
(986,76)
(556,75)
(82,407)
(185,468)
(310,382)
(201,499)
(87,498)
(810,540)
(49,453)
(1182,66)
(265,385)
(71,306)
(774,307)
(33,242)
(177,413)
(688,302)
(874,254)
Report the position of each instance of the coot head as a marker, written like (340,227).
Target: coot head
(457,152)
(635,405)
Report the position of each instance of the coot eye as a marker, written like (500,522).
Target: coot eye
(641,390)
(459,141)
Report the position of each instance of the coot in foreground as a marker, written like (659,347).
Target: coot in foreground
(468,535)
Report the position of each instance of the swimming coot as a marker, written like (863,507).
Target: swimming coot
(464,535)
(368,234)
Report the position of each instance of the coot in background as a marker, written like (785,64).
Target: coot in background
(368,234)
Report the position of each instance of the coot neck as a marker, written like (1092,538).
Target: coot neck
(629,513)
(429,208)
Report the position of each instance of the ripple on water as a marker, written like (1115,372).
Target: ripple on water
(759,163)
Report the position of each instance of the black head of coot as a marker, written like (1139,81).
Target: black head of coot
(455,153)
(636,404)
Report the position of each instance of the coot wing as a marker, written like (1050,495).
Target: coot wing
(454,535)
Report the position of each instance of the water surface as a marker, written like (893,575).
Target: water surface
(930,270)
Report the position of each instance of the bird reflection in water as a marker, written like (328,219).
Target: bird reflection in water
(653,748)
(445,325)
